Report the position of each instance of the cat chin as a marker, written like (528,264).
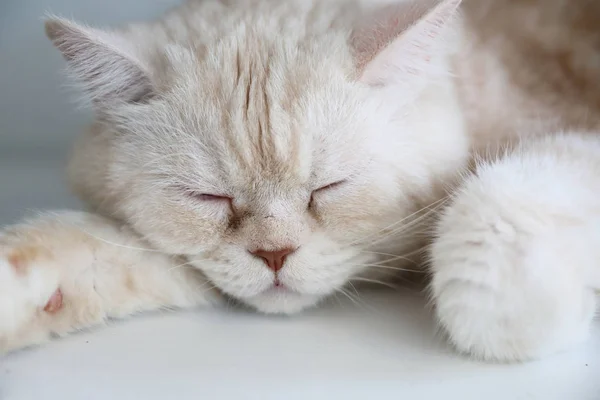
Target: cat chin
(281,301)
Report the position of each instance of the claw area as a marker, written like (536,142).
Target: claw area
(23,256)
(55,302)
(20,258)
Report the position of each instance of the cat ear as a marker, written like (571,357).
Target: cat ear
(103,62)
(403,42)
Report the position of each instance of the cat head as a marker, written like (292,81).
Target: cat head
(277,152)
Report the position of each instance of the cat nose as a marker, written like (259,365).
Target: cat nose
(273,259)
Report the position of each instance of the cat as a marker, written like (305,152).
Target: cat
(273,152)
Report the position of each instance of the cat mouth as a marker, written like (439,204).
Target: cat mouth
(278,287)
(281,299)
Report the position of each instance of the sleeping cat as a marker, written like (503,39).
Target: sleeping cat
(273,152)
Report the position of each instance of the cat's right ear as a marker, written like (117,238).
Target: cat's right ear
(104,63)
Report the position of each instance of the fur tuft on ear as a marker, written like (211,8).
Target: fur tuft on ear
(404,41)
(103,62)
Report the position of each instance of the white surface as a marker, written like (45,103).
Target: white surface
(385,347)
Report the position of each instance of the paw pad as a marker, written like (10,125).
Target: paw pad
(55,302)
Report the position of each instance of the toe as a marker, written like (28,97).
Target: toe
(55,302)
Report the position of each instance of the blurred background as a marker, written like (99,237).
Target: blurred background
(38,114)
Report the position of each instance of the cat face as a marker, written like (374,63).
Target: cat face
(305,166)
(277,167)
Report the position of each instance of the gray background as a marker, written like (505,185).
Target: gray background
(38,113)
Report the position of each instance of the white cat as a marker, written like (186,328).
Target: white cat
(272,152)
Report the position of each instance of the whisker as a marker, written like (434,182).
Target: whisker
(182,265)
(117,244)
(352,299)
(394,224)
(411,221)
(354,288)
(395,258)
(204,288)
(415,222)
(356,299)
(375,281)
(393,268)
(379,253)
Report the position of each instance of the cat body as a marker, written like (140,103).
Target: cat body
(528,68)
(275,152)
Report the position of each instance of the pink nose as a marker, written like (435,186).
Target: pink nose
(274,259)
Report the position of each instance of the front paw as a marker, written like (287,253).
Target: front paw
(28,289)
(498,318)
(505,286)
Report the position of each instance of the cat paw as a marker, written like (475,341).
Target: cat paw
(28,289)
(506,286)
(496,318)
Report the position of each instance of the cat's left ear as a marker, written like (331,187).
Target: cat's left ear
(404,43)
(105,63)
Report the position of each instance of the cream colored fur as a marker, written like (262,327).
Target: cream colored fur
(332,128)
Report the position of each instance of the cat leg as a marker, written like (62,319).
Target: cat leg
(71,270)
(516,259)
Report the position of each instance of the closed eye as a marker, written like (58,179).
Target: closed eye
(330,186)
(199,196)
(324,188)
(209,197)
